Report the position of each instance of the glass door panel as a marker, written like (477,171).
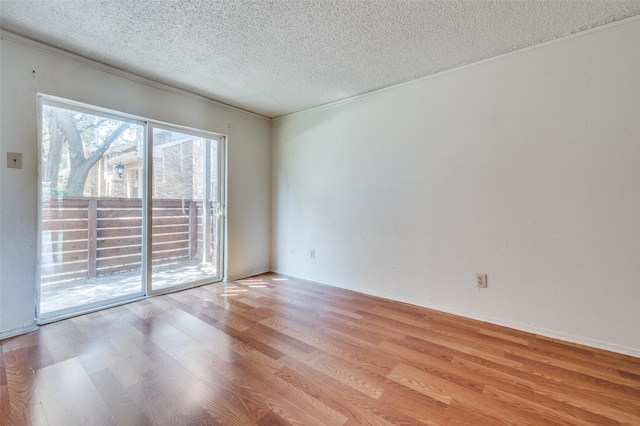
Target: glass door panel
(184,209)
(90,209)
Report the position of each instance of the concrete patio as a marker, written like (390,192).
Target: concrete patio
(57,296)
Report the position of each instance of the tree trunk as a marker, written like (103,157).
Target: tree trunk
(80,166)
(52,163)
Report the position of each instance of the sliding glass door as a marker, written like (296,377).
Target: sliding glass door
(185,208)
(127,208)
(91,218)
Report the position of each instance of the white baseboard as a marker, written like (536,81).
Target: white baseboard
(18,331)
(251,273)
(554,334)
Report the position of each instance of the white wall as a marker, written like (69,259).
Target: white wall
(525,167)
(69,77)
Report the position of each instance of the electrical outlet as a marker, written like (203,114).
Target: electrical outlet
(312,253)
(481,280)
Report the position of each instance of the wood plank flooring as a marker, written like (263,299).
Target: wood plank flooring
(273,350)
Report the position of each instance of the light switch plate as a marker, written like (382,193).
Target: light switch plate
(14,160)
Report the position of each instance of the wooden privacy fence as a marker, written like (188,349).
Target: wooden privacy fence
(89,237)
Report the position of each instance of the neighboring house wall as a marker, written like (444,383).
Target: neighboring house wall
(525,167)
(175,163)
(28,68)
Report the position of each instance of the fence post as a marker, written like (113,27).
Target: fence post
(193,230)
(93,238)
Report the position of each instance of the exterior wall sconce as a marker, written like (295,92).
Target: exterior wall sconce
(119,170)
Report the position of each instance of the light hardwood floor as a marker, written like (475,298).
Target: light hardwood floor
(273,350)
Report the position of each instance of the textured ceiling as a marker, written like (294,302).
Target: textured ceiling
(275,57)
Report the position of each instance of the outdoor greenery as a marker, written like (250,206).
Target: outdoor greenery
(76,141)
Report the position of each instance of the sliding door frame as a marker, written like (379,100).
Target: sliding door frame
(219,214)
(147,202)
